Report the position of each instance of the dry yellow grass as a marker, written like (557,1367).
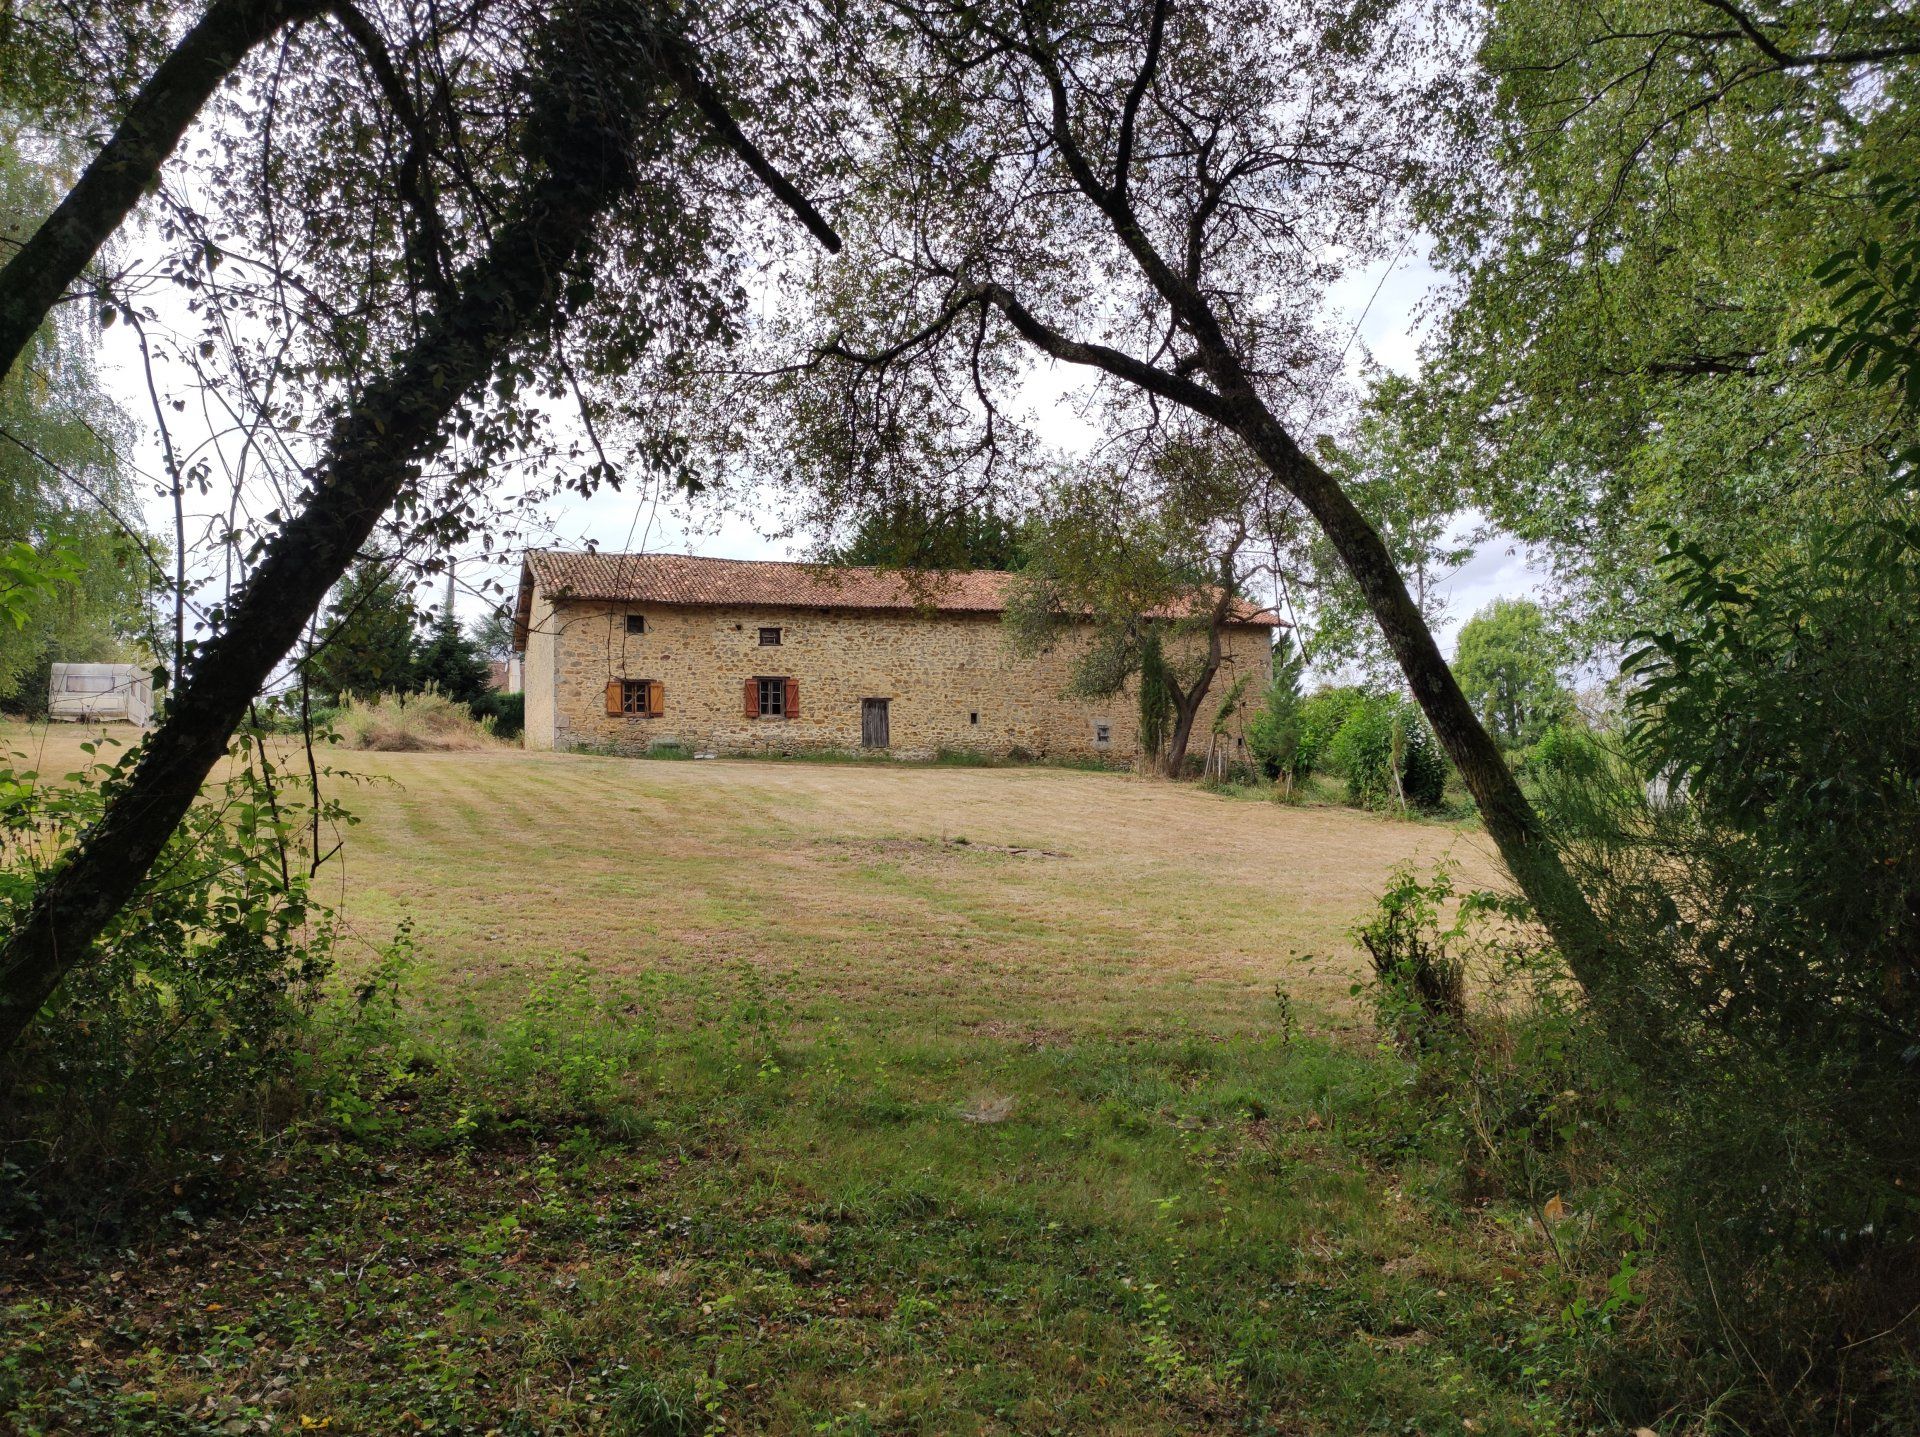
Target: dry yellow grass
(1030,900)
(413,723)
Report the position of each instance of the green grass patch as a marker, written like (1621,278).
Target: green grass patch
(689,1206)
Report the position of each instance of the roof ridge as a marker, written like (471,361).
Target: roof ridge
(693,579)
(729,559)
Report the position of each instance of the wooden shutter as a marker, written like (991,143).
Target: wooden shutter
(656,699)
(613,698)
(793,698)
(753,698)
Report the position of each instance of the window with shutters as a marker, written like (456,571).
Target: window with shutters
(637,699)
(773,697)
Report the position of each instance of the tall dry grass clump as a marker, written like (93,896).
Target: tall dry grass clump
(426,722)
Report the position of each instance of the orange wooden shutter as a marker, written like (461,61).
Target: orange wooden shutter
(656,699)
(753,698)
(613,698)
(793,698)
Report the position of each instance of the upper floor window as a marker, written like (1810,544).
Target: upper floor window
(636,623)
(769,637)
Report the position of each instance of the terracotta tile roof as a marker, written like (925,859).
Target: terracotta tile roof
(759,583)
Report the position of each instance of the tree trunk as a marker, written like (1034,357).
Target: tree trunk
(129,164)
(394,424)
(1185,712)
(1234,401)
(581,139)
(1511,822)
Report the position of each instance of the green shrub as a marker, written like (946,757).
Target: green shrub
(1156,699)
(1322,715)
(1273,734)
(1384,740)
(1764,935)
(1565,752)
(1420,984)
(507,711)
(183,1034)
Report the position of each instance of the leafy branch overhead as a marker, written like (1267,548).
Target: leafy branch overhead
(1874,288)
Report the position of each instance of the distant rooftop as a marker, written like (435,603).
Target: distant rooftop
(687,579)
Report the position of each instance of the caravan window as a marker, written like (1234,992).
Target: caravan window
(89,684)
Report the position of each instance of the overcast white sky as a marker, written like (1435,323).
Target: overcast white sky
(1384,300)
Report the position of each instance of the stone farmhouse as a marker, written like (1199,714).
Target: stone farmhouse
(626,652)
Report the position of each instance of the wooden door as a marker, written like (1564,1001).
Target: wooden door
(873,723)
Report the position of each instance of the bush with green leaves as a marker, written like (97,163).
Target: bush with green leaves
(1567,751)
(508,712)
(1156,698)
(183,1035)
(1274,732)
(1322,715)
(1525,1106)
(1419,981)
(1765,939)
(1388,755)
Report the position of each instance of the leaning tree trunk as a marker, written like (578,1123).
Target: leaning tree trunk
(581,137)
(1515,828)
(1235,402)
(583,166)
(129,163)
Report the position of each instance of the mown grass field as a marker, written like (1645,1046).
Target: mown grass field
(797,1098)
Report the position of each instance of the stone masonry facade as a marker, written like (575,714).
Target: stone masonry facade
(626,675)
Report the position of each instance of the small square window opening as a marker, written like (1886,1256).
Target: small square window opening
(1102,735)
(636,623)
(769,638)
(974,716)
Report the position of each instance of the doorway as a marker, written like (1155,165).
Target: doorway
(873,724)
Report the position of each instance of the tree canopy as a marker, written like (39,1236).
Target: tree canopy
(1642,193)
(1145,564)
(911,534)
(365,647)
(1507,661)
(65,489)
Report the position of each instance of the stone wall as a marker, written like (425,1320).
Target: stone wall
(536,672)
(949,679)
